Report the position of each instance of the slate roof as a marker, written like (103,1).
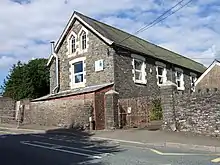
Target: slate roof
(73,92)
(139,45)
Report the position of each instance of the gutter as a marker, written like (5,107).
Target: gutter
(56,88)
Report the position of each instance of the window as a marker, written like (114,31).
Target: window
(193,80)
(161,75)
(83,40)
(139,70)
(72,44)
(179,80)
(78,72)
(99,65)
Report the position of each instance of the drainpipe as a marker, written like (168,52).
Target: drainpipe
(55,90)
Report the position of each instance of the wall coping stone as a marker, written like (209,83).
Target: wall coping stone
(168,83)
(111,92)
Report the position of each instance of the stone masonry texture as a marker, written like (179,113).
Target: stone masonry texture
(125,85)
(7,110)
(52,76)
(167,103)
(65,112)
(117,69)
(197,112)
(111,110)
(210,81)
(97,50)
(99,113)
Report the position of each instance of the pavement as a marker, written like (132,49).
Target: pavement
(121,147)
(161,138)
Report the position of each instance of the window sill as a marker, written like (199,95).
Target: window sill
(72,54)
(180,88)
(159,84)
(81,51)
(78,85)
(100,70)
(140,82)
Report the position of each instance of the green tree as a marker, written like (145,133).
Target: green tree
(27,80)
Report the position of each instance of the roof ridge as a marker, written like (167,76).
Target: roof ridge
(153,44)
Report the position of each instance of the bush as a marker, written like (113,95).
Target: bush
(156,111)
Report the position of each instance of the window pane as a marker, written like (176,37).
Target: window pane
(73,44)
(78,67)
(178,84)
(193,79)
(84,44)
(160,71)
(160,80)
(138,64)
(83,40)
(178,75)
(138,75)
(79,78)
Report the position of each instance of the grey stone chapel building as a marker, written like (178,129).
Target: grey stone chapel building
(93,62)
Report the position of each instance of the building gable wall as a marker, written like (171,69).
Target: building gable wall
(97,50)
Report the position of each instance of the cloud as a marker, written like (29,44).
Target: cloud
(27,26)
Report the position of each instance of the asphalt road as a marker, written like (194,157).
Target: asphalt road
(62,149)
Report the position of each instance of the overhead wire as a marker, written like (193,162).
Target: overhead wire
(149,24)
(158,20)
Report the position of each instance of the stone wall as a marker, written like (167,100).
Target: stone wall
(111,109)
(124,83)
(97,50)
(127,88)
(25,112)
(63,112)
(7,110)
(210,80)
(99,113)
(199,113)
(196,112)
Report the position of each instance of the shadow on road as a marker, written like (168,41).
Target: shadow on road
(55,147)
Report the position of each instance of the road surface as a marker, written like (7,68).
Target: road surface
(63,149)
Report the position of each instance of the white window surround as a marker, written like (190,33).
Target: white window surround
(161,75)
(139,74)
(193,80)
(81,50)
(83,40)
(180,80)
(73,18)
(99,65)
(69,44)
(73,83)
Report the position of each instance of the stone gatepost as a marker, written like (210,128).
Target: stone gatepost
(111,109)
(168,91)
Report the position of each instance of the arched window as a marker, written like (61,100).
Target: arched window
(72,43)
(83,40)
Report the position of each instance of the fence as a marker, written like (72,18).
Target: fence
(134,112)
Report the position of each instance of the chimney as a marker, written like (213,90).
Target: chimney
(52,47)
